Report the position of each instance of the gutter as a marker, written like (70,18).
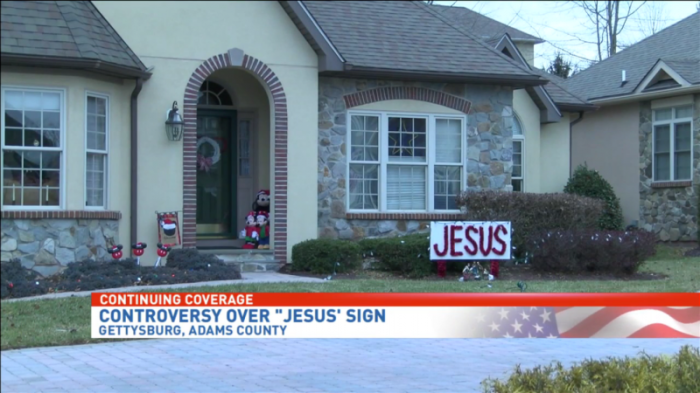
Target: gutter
(645,96)
(134,160)
(97,66)
(571,140)
(473,78)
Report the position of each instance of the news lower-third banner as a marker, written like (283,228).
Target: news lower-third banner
(395,315)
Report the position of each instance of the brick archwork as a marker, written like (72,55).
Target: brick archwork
(406,93)
(236,58)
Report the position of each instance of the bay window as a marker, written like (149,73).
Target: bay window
(32,147)
(405,163)
(96,132)
(672,143)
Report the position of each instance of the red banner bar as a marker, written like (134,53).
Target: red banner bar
(185,299)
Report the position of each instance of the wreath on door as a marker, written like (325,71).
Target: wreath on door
(208,153)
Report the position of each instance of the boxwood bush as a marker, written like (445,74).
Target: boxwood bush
(590,183)
(531,213)
(581,251)
(324,256)
(678,374)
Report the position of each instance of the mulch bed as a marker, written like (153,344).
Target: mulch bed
(513,272)
(695,252)
(88,275)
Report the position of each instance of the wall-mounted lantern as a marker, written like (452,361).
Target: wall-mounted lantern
(174,123)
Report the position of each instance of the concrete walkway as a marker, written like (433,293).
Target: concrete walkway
(247,278)
(296,365)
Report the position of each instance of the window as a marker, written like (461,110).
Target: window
(517,176)
(32,147)
(405,163)
(97,145)
(672,143)
(211,93)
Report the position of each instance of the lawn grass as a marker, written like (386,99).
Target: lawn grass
(66,321)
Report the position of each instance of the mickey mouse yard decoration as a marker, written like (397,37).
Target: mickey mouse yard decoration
(163,250)
(262,202)
(116,251)
(138,249)
(262,220)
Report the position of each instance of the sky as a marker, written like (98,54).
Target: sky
(564,26)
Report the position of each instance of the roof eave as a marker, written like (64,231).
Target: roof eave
(329,58)
(517,81)
(577,107)
(623,98)
(97,66)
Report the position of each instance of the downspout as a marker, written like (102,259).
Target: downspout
(571,141)
(134,160)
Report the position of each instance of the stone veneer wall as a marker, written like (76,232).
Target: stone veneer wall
(47,246)
(668,209)
(489,149)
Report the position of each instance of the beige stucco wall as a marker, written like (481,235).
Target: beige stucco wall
(175,40)
(554,153)
(527,49)
(529,116)
(608,140)
(76,85)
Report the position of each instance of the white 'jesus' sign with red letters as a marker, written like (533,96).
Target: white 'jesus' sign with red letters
(455,241)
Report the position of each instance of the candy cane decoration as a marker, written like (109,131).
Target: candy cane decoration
(138,250)
(116,252)
(163,250)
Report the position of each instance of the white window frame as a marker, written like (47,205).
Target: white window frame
(430,163)
(62,150)
(672,143)
(519,139)
(104,152)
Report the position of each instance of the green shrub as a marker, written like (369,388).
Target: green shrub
(674,374)
(697,221)
(531,213)
(406,255)
(591,251)
(589,183)
(320,256)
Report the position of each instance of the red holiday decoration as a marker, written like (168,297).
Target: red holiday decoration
(494,269)
(138,248)
(163,249)
(116,251)
(251,233)
(442,268)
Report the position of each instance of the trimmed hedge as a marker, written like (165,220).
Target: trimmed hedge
(580,251)
(588,182)
(531,213)
(678,373)
(325,256)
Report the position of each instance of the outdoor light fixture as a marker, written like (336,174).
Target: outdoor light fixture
(174,123)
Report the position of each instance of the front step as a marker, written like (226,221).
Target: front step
(248,260)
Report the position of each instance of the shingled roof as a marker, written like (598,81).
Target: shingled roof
(678,46)
(410,37)
(67,34)
(484,27)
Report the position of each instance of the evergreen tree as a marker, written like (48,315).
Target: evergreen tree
(561,67)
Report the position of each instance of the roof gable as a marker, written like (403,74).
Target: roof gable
(677,45)
(661,77)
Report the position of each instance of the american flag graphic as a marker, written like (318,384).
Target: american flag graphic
(589,322)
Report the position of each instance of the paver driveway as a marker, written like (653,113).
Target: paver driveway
(322,365)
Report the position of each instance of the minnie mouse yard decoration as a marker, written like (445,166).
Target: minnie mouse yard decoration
(251,233)
(116,251)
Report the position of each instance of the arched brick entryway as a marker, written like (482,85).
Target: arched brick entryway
(236,58)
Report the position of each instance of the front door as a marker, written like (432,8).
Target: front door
(216,175)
